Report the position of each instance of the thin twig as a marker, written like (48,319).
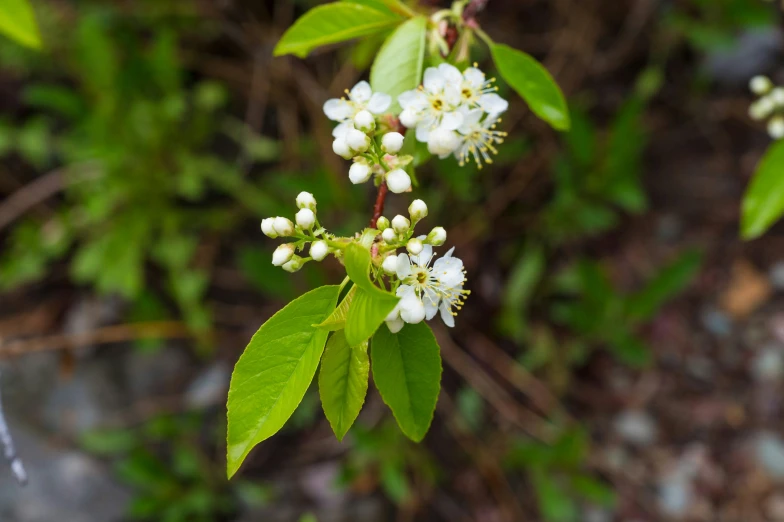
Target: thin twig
(378,208)
(9,452)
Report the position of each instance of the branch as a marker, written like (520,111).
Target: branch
(8,450)
(472,9)
(378,208)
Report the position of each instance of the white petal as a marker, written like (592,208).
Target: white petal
(452,120)
(342,129)
(412,310)
(493,104)
(403,267)
(449,252)
(394,314)
(337,109)
(396,325)
(430,301)
(452,94)
(361,92)
(470,119)
(423,131)
(407,98)
(446,315)
(434,80)
(474,77)
(423,259)
(379,102)
(451,74)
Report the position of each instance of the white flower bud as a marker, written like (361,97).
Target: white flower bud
(319,250)
(398,181)
(357,140)
(414,246)
(413,312)
(401,224)
(282,254)
(359,172)
(341,148)
(382,223)
(293,265)
(395,325)
(760,85)
(284,227)
(390,264)
(389,235)
(268,228)
(761,109)
(305,218)
(776,127)
(364,121)
(777,96)
(436,237)
(409,118)
(392,142)
(306,200)
(417,209)
(442,142)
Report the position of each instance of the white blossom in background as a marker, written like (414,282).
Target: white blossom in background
(360,98)
(769,106)
(479,137)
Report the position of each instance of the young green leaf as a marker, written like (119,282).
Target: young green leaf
(343,382)
(274,372)
(763,202)
(407,373)
(337,319)
(533,82)
(333,23)
(17,21)
(667,283)
(399,64)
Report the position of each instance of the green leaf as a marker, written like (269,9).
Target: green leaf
(668,283)
(534,83)
(593,490)
(332,23)
(407,373)
(274,372)
(554,503)
(343,382)
(763,203)
(399,64)
(378,5)
(17,21)
(337,319)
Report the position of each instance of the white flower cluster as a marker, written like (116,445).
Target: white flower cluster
(306,230)
(769,106)
(455,113)
(424,286)
(354,138)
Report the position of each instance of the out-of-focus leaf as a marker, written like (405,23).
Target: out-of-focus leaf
(17,21)
(763,202)
(399,64)
(670,281)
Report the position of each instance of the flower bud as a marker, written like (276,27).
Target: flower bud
(267,227)
(436,237)
(761,109)
(284,227)
(776,127)
(357,140)
(359,172)
(364,121)
(293,265)
(409,118)
(400,224)
(390,264)
(777,96)
(392,142)
(282,254)
(398,181)
(319,250)
(395,325)
(306,200)
(341,148)
(389,235)
(760,85)
(442,142)
(417,209)
(382,223)
(414,246)
(305,218)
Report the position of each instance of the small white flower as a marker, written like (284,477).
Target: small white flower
(450,274)
(400,224)
(761,109)
(364,121)
(760,85)
(398,181)
(417,209)
(319,250)
(389,235)
(414,246)
(359,172)
(282,254)
(341,148)
(357,140)
(293,265)
(776,127)
(390,264)
(306,200)
(283,226)
(361,97)
(436,237)
(435,103)
(392,142)
(479,138)
(777,97)
(442,142)
(477,91)
(412,310)
(382,223)
(305,218)
(267,227)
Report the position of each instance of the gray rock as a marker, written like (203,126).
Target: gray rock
(716,322)
(756,51)
(768,364)
(636,427)
(209,387)
(768,450)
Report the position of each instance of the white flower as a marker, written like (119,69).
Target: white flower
(412,309)
(319,250)
(478,138)
(294,264)
(341,148)
(306,200)
(305,218)
(777,97)
(392,142)
(267,227)
(414,246)
(760,85)
(283,227)
(435,103)
(349,141)
(477,91)
(359,172)
(776,127)
(398,181)
(360,98)
(761,109)
(436,237)
(389,235)
(364,121)
(394,322)
(400,224)
(282,254)
(390,264)
(442,142)
(450,274)
(417,209)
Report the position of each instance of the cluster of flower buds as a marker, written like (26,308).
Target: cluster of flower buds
(305,229)
(355,138)
(424,286)
(455,113)
(769,106)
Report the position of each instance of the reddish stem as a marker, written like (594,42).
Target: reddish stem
(378,208)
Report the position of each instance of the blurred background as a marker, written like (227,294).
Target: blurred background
(620,358)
